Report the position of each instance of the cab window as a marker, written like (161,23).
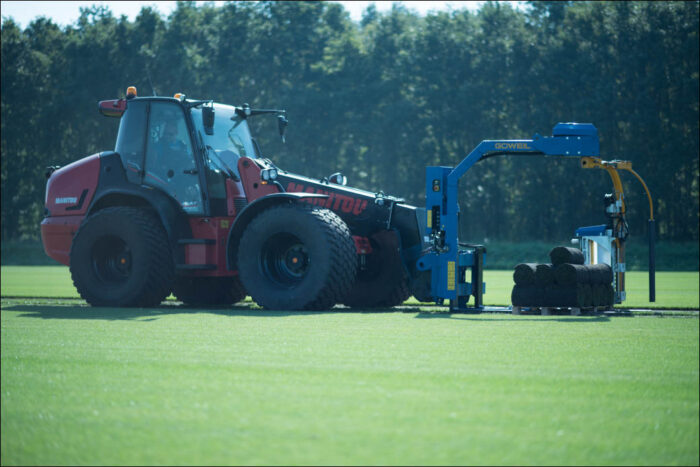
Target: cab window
(170,163)
(231,139)
(131,139)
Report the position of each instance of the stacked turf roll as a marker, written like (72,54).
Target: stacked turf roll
(529,285)
(566,282)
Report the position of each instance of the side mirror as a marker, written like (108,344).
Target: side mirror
(338,179)
(112,108)
(282,125)
(208,119)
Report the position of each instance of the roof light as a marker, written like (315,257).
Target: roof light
(180,96)
(131,92)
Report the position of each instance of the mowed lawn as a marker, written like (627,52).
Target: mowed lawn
(673,289)
(174,385)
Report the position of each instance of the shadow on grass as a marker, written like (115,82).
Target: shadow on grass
(246,309)
(564,318)
(141,314)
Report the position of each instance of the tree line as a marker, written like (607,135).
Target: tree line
(382,98)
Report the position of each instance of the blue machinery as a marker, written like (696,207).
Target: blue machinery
(448,259)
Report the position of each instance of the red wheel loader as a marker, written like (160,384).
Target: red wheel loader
(185,203)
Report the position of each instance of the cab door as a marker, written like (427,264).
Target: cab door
(170,158)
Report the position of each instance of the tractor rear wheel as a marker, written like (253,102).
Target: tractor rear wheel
(383,282)
(120,256)
(208,291)
(297,257)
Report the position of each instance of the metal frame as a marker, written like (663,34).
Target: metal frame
(615,235)
(599,246)
(447,259)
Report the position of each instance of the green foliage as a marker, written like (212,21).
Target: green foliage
(383,98)
(88,386)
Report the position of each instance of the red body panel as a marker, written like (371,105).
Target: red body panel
(69,192)
(362,245)
(213,228)
(234,191)
(70,189)
(57,235)
(252,184)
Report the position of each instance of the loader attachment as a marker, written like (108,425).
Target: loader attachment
(448,259)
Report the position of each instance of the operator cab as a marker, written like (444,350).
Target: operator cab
(171,144)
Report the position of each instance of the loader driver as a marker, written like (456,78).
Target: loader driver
(170,156)
(171,149)
(173,165)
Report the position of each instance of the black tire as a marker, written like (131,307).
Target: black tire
(209,291)
(120,257)
(297,257)
(421,287)
(384,281)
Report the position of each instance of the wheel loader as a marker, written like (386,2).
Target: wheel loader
(187,204)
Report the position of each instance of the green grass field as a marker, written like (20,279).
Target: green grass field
(410,386)
(673,289)
(174,385)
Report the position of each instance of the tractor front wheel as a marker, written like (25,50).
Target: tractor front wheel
(297,257)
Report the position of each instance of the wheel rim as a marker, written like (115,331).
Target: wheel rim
(284,259)
(111,260)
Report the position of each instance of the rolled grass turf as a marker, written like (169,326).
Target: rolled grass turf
(565,254)
(544,275)
(524,273)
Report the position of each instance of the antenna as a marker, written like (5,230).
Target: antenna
(148,74)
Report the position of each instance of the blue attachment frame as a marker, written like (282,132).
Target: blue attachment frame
(446,259)
(591,231)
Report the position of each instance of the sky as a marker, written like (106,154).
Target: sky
(65,13)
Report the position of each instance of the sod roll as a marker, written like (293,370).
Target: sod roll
(587,295)
(610,294)
(565,254)
(571,274)
(566,296)
(544,275)
(523,295)
(600,273)
(524,274)
(603,295)
(597,297)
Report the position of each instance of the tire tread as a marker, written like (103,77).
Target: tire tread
(161,271)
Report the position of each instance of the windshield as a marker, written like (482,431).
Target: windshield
(230,141)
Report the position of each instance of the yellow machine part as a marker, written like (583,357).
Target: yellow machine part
(612,168)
